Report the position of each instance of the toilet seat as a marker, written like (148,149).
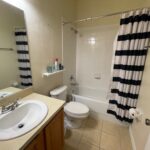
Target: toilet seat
(76,110)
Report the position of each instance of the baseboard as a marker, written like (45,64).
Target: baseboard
(132,138)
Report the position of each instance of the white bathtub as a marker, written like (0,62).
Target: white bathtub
(97,101)
(94,99)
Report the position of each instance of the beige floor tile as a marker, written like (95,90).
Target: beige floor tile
(125,139)
(98,135)
(72,139)
(126,143)
(109,142)
(111,128)
(70,146)
(91,137)
(79,130)
(93,124)
(124,130)
(87,146)
(84,122)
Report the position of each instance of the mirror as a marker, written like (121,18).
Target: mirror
(15,70)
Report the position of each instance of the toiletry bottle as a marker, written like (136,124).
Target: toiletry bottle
(49,67)
(61,67)
(56,64)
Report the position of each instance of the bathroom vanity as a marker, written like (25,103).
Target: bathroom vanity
(48,135)
(51,137)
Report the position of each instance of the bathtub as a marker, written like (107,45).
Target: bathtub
(95,99)
(98,103)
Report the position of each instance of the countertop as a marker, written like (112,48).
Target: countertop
(12,90)
(21,142)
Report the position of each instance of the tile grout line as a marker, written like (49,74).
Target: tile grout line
(110,134)
(81,135)
(120,137)
(98,132)
(101,135)
(80,140)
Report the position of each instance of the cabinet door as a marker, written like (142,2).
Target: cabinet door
(54,132)
(37,143)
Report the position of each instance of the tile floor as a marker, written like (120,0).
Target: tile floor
(98,135)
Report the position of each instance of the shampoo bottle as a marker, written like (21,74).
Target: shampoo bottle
(56,64)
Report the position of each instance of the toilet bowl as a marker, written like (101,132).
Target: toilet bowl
(75,112)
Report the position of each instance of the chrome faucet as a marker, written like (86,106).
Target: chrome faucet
(9,107)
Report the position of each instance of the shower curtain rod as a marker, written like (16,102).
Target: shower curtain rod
(101,16)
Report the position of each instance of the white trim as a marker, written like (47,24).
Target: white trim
(62,40)
(132,139)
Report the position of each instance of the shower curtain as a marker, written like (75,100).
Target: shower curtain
(23,57)
(129,61)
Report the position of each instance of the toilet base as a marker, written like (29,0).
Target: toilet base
(73,123)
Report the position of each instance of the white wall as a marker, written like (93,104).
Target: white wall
(69,42)
(43,19)
(10,18)
(69,53)
(139,130)
(95,60)
(89,8)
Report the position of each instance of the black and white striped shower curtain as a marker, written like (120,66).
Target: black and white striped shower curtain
(23,57)
(129,61)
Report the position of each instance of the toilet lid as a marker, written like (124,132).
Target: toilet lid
(76,108)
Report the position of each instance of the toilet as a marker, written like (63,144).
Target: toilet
(75,112)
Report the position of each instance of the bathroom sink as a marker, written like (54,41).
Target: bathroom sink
(24,118)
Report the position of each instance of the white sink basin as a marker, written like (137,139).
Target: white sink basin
(24,118)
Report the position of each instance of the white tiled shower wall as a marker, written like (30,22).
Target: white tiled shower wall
(94,56)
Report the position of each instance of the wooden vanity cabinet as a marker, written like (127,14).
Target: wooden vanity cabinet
(37,143)
(52,136)
(54,133)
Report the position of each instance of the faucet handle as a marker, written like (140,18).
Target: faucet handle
(17,102)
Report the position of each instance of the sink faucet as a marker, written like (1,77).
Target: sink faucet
(9,107)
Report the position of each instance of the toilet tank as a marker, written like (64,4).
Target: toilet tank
(59,93)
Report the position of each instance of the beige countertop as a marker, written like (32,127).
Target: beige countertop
(12,90)
(21,142)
